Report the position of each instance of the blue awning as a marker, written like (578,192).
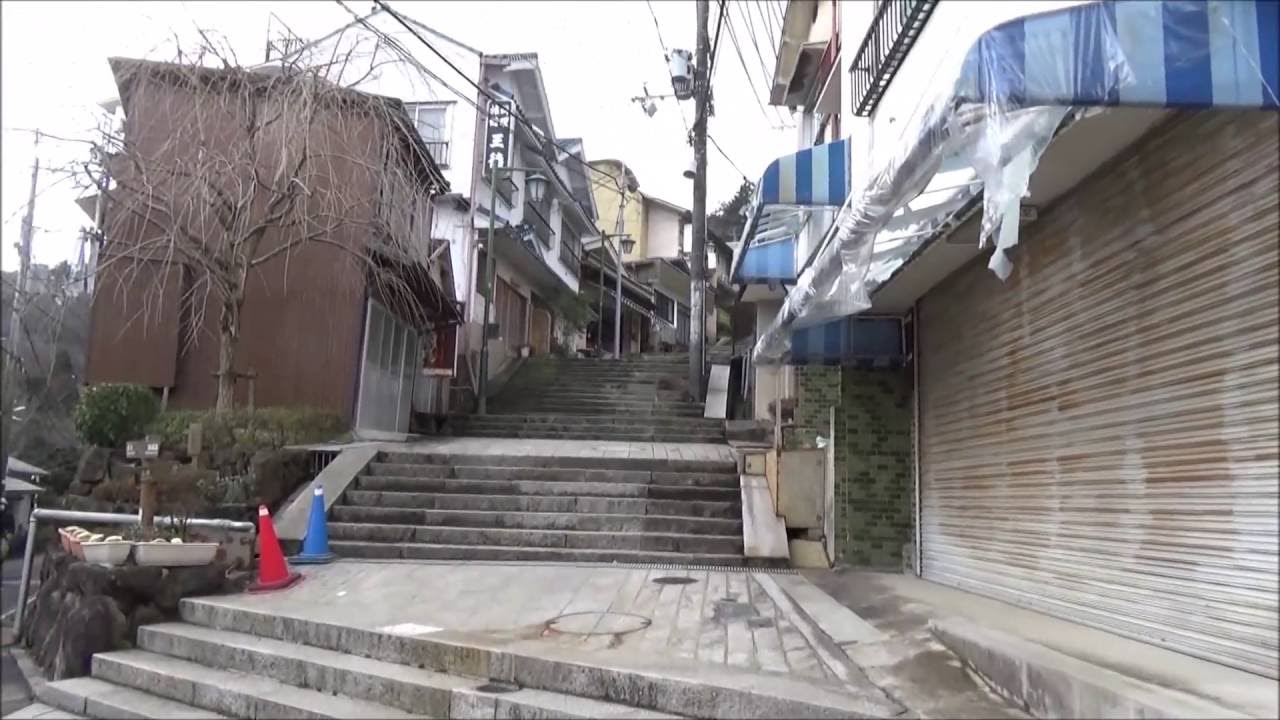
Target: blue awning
(1181,53)
(812,178)
(1184,54)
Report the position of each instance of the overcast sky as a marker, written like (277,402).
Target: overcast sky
(595,57)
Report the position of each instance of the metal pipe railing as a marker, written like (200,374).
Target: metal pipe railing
(98,518)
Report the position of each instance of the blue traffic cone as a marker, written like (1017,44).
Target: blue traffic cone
(315,546)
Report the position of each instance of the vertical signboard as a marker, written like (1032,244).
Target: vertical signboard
(497,137)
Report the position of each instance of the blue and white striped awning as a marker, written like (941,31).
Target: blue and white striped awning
(1181,53)
(814,177)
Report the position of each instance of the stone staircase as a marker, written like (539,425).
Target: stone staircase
(545,508)
(637,398)
(225,660)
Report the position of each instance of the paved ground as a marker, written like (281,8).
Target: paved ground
(723,618)
(902,606)
(566,448)
(10,575)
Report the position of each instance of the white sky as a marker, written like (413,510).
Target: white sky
(595,56)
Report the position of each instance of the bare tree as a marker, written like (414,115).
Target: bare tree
(222,173)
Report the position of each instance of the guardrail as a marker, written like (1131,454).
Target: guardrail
(98,518)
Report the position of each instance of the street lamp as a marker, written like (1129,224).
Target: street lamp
(535,186)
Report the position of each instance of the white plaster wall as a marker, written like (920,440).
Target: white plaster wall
(662,231)
(395,77)
(771,381)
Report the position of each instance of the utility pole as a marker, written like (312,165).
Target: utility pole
(19,305)
(698,256)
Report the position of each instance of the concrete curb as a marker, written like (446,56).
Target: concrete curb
(1048,683)
(291,521)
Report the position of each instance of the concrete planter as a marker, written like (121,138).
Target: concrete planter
(115,552)
(174,554)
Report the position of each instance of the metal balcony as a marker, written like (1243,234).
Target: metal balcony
(893,31)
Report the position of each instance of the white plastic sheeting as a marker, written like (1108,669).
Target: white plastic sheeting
(996,116)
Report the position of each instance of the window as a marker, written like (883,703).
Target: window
(666,308)
(482,266)
(570,247)
(432,121)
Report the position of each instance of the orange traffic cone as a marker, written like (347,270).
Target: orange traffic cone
(273,570)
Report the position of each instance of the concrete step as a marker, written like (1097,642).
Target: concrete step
(618,435)
(712,424)
(411,689)
(558,405)
(603,423)
(545,488)
(534,406)
(570,539)
(659,464)
(418,551)
(40,711)
(604,522)
(687,688)
(97,698)
(540,503)
(231,692)
(480,472)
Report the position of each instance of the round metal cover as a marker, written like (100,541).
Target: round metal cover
(598,623)
(674,580)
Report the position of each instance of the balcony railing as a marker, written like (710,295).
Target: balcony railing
(893,31)
(535,216)
(439,152)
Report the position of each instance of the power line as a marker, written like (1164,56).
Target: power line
(767,28)
(737,48)
(726,157)
(715,44)
(755,43)
(517,113)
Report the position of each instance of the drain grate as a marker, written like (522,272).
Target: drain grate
(674,580)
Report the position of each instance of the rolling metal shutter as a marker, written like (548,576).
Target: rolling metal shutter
(1099,433)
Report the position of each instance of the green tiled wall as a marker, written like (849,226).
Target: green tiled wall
(874,473)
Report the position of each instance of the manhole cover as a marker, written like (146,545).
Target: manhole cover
(496,688)
(598,623)
(674,580)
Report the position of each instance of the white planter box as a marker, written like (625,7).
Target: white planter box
(115,552)
(174,554)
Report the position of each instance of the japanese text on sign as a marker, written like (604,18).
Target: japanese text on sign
(497,146)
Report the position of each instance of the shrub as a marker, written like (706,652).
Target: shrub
(111,414)
(230,439)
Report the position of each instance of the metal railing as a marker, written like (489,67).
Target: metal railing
(893,31)
(439,152)
(536,217)
(97,518)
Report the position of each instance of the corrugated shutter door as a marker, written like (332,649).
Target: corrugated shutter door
(1099,433)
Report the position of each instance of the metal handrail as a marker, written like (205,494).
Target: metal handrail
(98,518)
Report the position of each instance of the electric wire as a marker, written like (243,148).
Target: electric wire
(737,48)
(516,113)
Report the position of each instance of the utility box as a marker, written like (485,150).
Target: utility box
(755,464)
(801,487)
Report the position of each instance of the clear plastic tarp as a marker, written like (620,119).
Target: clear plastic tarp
(991,122)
